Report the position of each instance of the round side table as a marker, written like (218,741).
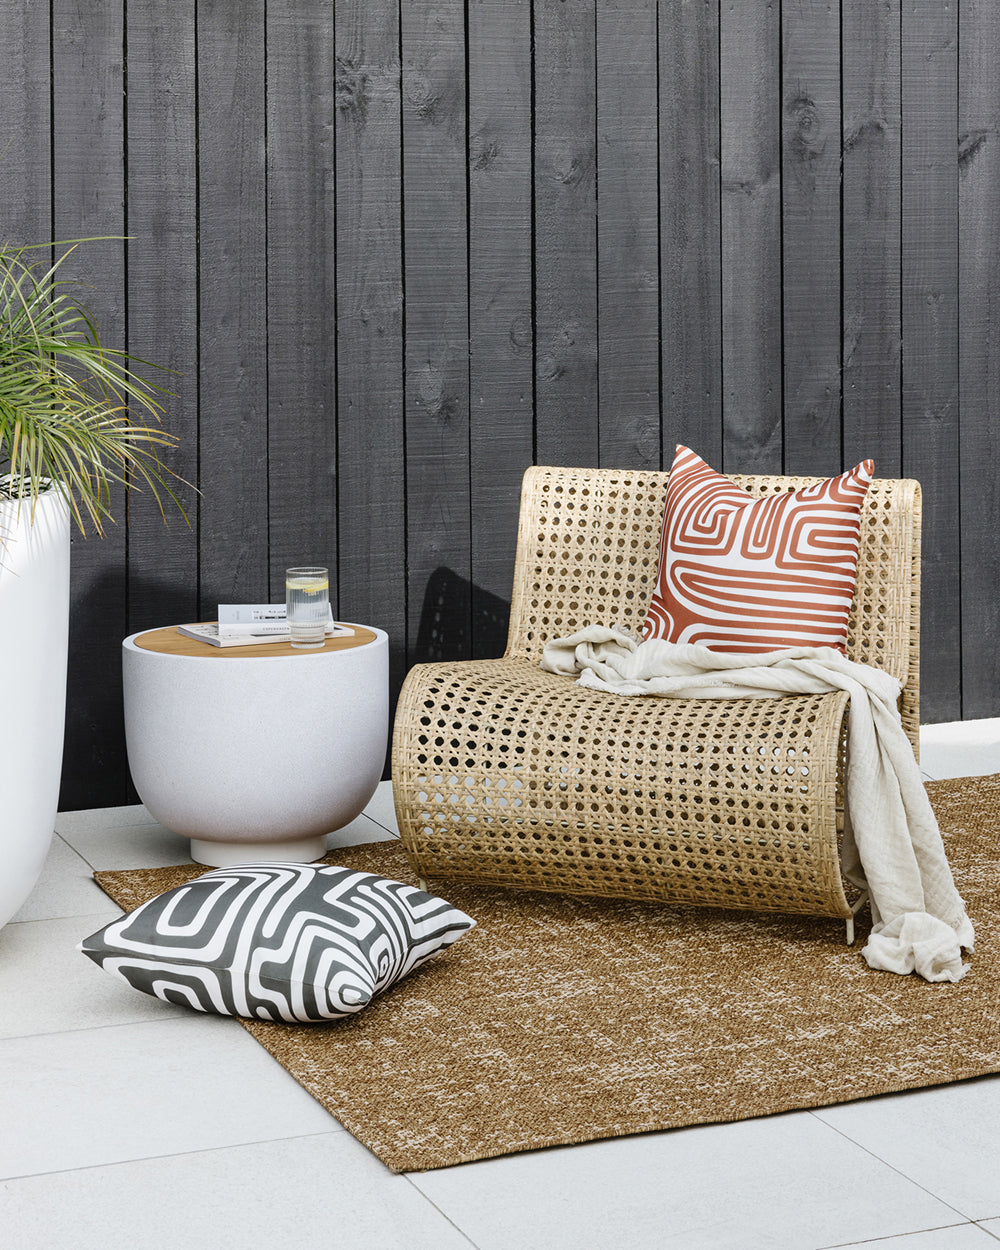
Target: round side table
(255,752)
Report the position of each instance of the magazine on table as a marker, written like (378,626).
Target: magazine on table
(250,624)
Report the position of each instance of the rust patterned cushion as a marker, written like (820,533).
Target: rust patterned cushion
(743,574)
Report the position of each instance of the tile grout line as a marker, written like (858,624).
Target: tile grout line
(175,1154)
(99,916)
(94,1028)
(407,1176)
(917,1232)
(892,1168)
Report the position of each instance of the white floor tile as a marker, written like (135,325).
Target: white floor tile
(780,1183)
(363,829)
(147,844)
(992,1227)
(141,844)
(960,749)
(382,808)
(103,818)
(958,1237)
(945,1139)
(66,887)
(135,1091)
(323,1191)
(48,986)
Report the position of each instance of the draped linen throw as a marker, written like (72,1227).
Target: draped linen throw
(892,845)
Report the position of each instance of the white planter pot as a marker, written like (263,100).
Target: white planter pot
(34,628)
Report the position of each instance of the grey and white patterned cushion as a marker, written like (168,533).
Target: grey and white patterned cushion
(277,941)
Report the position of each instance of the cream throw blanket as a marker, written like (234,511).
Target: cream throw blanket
(892,843)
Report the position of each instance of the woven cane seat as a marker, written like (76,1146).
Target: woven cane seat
(515,777)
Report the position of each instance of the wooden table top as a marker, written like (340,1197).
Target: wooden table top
(169,642)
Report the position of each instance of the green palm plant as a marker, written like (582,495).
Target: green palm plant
(66,401)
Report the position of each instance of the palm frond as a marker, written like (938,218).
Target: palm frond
(67,402)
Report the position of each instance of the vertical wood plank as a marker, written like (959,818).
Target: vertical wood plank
(25,133)
(810,90)
(278,296)
(301,284)
(979,358)
(500,326)
(232,375)
(872,235)
(370,403)
(930,332)
(628,333)
(690,226)
(566,400)
(751,237)
(162,294)
(88,197)
(436,325)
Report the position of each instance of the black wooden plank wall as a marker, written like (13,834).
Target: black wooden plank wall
(394,252)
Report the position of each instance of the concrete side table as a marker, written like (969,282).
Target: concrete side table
(256,752)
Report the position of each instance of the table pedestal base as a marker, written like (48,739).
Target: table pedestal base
(226,854)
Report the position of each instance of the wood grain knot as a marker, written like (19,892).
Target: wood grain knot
(424,101)
(520,335)
(969,145)
(432,393)
(351,88)
(808,140)
(487,155)
(873,126)
(576,167)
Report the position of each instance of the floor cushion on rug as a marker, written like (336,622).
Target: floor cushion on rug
(301,943)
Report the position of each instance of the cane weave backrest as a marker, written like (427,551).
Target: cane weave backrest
(588,551)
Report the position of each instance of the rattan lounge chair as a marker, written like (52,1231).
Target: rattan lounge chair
(511,776)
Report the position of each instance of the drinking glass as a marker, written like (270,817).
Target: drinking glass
(307,600)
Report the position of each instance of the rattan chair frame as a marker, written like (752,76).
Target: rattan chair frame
(514,777)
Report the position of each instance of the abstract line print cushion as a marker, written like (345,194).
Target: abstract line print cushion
(743,574)
(277,941)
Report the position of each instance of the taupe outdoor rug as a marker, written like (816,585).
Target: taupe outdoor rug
(561,1020)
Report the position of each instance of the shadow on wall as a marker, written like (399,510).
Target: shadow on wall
(460,621)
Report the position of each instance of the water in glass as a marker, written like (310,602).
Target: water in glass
(307,598)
